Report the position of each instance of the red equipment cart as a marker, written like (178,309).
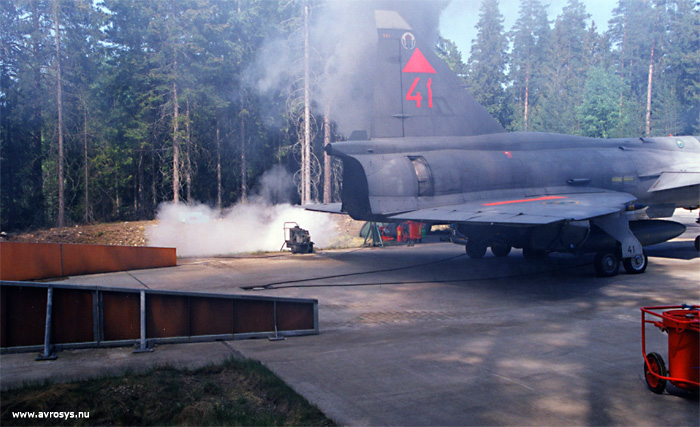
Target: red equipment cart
(682,324)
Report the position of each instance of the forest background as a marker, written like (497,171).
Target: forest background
(109,108)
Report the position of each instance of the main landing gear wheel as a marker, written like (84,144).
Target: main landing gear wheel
(697,243)
(636,264)
(475,250)
(500,249)
(658,367)
(607,264)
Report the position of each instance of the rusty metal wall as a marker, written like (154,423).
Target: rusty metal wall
(30,261)
(93,316)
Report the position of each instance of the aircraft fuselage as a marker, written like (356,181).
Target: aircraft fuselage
(385,177)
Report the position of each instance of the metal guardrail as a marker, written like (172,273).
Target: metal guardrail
(46,317)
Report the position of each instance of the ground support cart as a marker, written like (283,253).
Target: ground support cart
(682,324)
(297,239)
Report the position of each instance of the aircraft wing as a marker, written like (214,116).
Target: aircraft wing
(334,208)
(537,210)
(673,180)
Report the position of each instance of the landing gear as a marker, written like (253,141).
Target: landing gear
(475,250)
(637,264)
(607,263)
(500,249)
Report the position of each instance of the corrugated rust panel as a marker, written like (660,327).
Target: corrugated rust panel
(253,316)
(121,312)
(27,261)
(211,316)
(3,314)
(88,259)
(23,316)
(72,319)
(294,316)
(167,316)
(172,315)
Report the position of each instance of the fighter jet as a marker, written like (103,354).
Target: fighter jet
(433,154)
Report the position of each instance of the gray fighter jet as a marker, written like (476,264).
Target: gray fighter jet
(436,156)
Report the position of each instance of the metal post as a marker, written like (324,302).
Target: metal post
(276,337)
(48,354)
(97,328)
(142,347)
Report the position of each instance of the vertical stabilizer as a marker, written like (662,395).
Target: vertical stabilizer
(415,92)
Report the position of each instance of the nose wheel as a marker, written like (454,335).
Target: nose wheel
(637,264)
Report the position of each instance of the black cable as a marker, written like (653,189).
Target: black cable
(333,285)
(335,276)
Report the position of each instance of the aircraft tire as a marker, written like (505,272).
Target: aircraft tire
(607,264)
(697,243)
(636,265)
(500,249)
(475,250)
(658,367)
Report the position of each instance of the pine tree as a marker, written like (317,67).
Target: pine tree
(632,35)
(682,68)
(25,49)
(487,63)
(448,51)
(566,69)
(599,114)
(530,36)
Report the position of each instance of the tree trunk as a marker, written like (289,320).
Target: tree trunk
(117,199)
(154,175)
(37,201)
(306,148)
(176,147)
(527,96)
(59,102)
(244,165)
(188,150)
(651,76)
(139,195)
(327,178)
(218,167)
(86,166)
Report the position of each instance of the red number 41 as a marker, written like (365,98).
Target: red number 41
(417,97)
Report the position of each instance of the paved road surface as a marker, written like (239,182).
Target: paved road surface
(425,336)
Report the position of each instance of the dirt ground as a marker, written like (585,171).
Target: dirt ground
(132,233)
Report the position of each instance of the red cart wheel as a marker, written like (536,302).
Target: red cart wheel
(656,366)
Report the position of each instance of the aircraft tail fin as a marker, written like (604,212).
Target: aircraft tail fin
(415,92)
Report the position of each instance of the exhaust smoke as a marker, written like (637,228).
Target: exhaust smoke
(197,230)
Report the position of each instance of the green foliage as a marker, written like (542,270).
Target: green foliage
(488,63)
(124,60)
(530,37)
(600,114)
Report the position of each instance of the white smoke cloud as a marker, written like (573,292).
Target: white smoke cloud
(199,230)
(343,45)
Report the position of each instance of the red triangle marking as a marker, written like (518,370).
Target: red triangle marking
(418,64)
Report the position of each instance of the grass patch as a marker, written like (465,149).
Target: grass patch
(236,392)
